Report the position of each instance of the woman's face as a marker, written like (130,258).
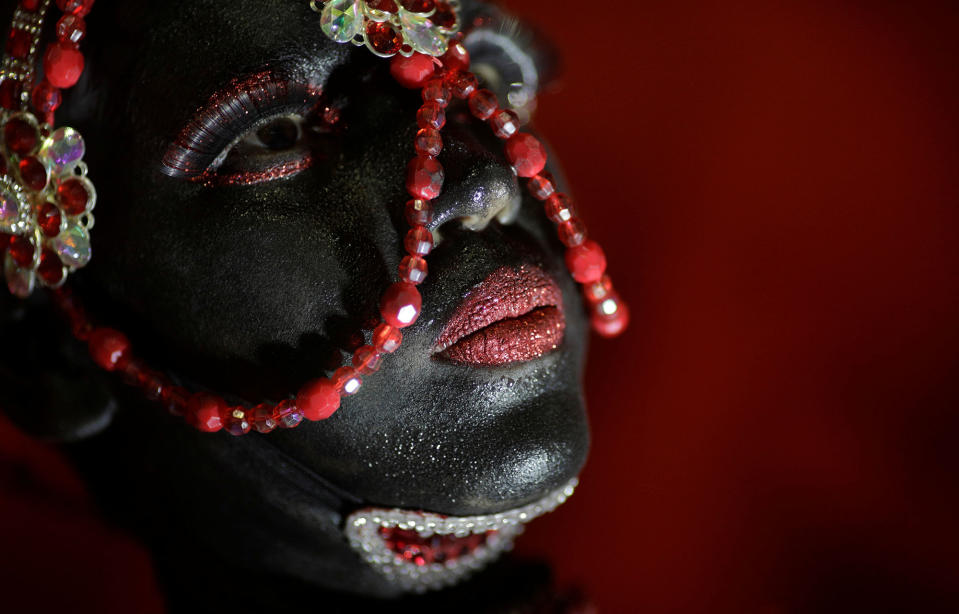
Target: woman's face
(244,241)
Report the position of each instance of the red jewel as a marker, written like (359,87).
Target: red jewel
(71,29)
(72,196)
(50,269)
(387,338)
(428,142)
(505,123)
(419,212)
(287,414)
(75,7)
(318,400)
(10,94)
(483,104)
(383,37)
(610,316)
(401,304)
(418,6)
(598,290)
(263,421)
(586,262)
(419,241)
(444,16)
(21,250)
(21,137)
(526,154)
(430,115)
(46,98)
(559,208)
(541,186)
(18,45)
(424,178)
(388,6)
(108,347)
(571,233)
(435,90)
(29,5)
(456,57)
(367,360)
(206,411)
(62,64)
(414,71)
(48,217)
(413,269)
(347,381)
(462,84)
(236,422)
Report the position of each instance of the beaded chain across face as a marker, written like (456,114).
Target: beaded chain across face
(46,199)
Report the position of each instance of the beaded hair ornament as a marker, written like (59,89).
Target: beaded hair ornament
(46,200)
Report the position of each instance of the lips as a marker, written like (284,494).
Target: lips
(514,315)
(420,551)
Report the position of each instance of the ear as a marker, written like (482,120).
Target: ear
(49,387)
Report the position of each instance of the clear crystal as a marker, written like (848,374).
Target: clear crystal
(10,210)
(73,246)
(62,148)
(421,34)
(19,281)
(341,20)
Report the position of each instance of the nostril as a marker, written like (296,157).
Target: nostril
(475,194)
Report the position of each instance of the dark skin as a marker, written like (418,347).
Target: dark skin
(251,290)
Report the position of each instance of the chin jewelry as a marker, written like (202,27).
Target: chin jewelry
(46,200)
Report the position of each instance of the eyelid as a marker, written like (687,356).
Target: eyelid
(230,113)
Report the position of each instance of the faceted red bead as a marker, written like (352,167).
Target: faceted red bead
(287,414)
(598,290)
(586,262)
(46,98)
(72,196)
(401,304)
(431,115)
(444,16)
(318,399)
(33,173)
(414,71)
(18,44)
(236,421)
(388,6)
(62,64)
(20,136)
(108,347)
(428,142)
(263,420)
(571,233)
(505,123)
(71,29)
(347,381)
(610,317)
(206,411)
(50,269)
(383,37)
(75,7)
(418,241)
(419,212)
(462,83)
(456,57)
(541,186)
(559,208)
(526,154)
(413,269)
(367,360)
(48,218)
(418,6)
(387,338)
(10,94)
(29,5)
(424,178)
(435,90)
(483,104)
(21,250)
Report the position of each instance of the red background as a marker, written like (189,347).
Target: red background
(776,186)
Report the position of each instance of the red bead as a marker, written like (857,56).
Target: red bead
(29,5)
(21,250)
(287,414)
(73,196)
(263,420)
(435,90)
(206,411)
(571,233)
(175,399)
(383,37)
(387,338)
(62,64)
(598,290)
(419,241)
(428,142)
(413,269)
(48,217)
(444,16)
(318,399)
(418,6)
(541,186)
(71,29)
(50,269)
(505,123)
(236,421)
(20,136)
(46,98)
(431,115)
(456,57)
(401,304)
(586,262)
(412,72)
(347,381)
(18,44)
(367,360)
(610,316)
(462,84)
(108,347)
(10,94)
(388,6)
(33,173)
(559,208)
(419,212)
(75,7)
(483,104)
(424,178)
(526,154)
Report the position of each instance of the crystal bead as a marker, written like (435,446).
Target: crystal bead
(431,115)
(413,269)
(559,208)
(71,28)
(483,104)
(421,35)
(571,233)
(108,347)
(610,316)
(62,148)
(505,123)
(541,186)
(456,57)
(419,241)
(20,281)
(367,360)
(435,90)
(387,338)
(73,246)
(598,290)
(586,262)
(237,421)
(428,142)
(419,212)
(341,20)
(382,38)
(462,83)
(288,415)
(347,381)
(401,305)
(263,420)
(45,98)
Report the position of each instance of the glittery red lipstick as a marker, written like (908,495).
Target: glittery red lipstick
(514,315)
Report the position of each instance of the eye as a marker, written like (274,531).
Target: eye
(279,134)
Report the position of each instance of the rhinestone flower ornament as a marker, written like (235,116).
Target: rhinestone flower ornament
(390,27)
